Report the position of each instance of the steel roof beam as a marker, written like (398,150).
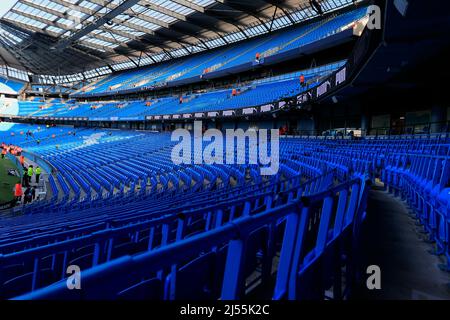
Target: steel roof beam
(138,15)
(101,21)
(58,25)
(91,12)
(96,45)
(30,27)
(160,9)
(65,16)
(245,10)
(190,5)
(280,4)
(240,6)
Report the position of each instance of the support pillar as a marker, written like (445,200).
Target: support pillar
(438,118)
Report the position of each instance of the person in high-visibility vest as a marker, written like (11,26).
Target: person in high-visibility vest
(18,192)
(257,56)
(4,153)
(29,175)
(38,172)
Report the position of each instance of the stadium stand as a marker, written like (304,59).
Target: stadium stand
(242,192)
(207,64)
(251,94)
(142,226)
(421,179)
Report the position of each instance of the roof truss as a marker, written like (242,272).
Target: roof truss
(110,31)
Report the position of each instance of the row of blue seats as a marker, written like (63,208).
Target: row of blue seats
(27,235)
(417,169)
(107,168)
(306,232)
(253,94)
(149,233)
(414,167)
(423,180)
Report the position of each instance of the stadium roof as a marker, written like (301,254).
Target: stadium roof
(64,37)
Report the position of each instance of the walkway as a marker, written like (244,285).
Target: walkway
(393,241)
(43,180)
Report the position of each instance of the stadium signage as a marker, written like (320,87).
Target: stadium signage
(228,112)
(323,88)
(267,107)
(248,110)
(341,76)
(224,113)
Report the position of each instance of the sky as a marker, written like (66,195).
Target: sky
(5,5)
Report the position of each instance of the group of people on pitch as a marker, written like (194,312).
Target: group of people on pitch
(9,148)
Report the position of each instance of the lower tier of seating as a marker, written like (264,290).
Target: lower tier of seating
(210,231)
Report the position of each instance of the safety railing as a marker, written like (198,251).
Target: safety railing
(235,198)
(306,240)
(149,230)
(45,165)
(440,127)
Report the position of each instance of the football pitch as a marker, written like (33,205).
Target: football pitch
(7,181)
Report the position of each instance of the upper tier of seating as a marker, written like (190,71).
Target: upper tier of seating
(253,94)
(227,58)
